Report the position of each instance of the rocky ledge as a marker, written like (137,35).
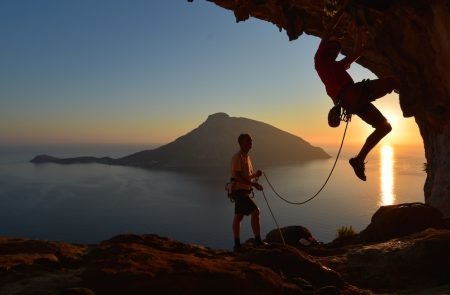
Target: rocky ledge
(411,254)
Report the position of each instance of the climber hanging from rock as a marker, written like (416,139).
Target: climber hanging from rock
(354,98)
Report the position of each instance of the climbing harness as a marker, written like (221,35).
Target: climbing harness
(229,187)
(231,194)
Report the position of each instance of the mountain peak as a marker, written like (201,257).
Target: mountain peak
(212,144)
(218,116)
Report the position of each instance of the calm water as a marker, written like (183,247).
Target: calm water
(92,202)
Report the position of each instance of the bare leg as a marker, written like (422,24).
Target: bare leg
(237,225)
(371,115)
(255,223)
(374,138)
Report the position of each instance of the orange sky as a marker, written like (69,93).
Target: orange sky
(310,122)
(405,130)
(306,121)
(162,76)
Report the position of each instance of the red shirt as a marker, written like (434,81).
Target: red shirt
(332,73)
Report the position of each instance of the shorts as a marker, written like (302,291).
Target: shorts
(243,204)
(358,98)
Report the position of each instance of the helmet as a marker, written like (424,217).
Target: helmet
(334,117)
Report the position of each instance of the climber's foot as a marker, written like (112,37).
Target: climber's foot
(359,167)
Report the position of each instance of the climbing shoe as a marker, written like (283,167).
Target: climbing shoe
(259,243)
(238,248)
(358,167)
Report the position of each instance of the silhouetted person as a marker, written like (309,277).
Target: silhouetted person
(243,181)
(355,98)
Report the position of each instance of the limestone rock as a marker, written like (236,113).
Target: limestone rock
(30,267)
(399,220)
(292,263)
(149,264)
(417,261)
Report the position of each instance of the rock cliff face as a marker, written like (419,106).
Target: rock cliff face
(409,39)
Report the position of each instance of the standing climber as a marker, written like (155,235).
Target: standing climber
(243,181)
(355,98)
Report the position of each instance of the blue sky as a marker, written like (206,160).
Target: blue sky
(140,71)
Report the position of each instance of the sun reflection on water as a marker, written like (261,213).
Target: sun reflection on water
(387,175)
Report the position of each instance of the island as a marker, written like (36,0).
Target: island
(211,145)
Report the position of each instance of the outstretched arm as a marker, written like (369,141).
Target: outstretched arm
(335,20)
(359,48)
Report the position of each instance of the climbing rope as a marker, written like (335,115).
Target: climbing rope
(323,186)
(346,120)
(274,219)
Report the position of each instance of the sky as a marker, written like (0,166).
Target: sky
(138,71)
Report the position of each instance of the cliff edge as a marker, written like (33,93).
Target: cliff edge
(412,257)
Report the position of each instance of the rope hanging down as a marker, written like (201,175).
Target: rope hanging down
(274,219)
(347,120)
(323,186)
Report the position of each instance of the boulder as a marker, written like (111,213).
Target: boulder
(399,220)
(417,261)
(293,263)
(294,235)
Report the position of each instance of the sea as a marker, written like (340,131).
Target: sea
(88,203)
